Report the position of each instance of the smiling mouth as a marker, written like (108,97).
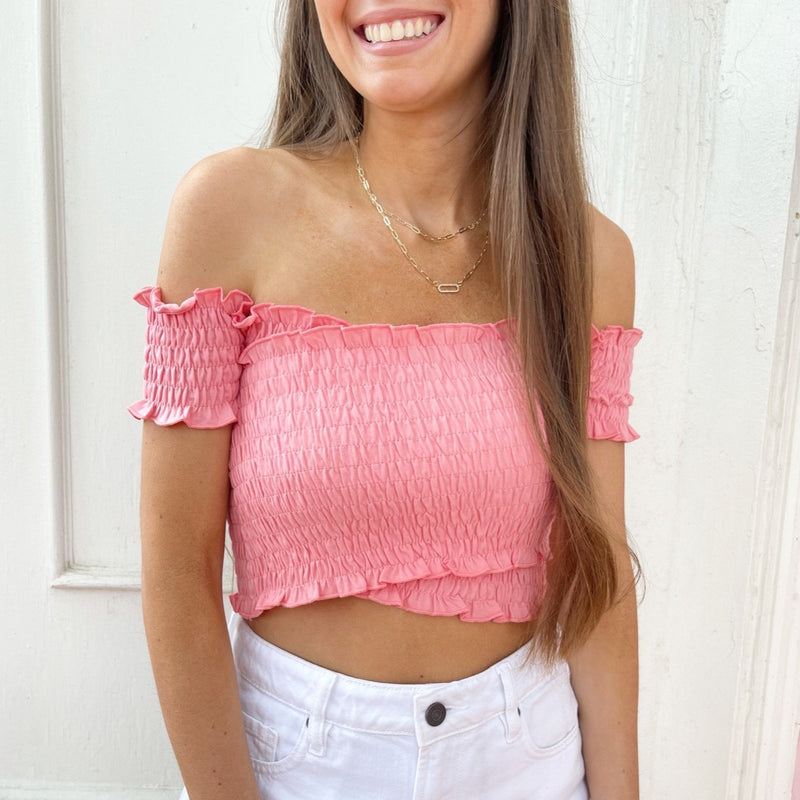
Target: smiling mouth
(400,29)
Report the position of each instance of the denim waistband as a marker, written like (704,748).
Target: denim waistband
(391,708)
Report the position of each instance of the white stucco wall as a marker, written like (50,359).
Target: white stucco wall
(692,111)
(694,157)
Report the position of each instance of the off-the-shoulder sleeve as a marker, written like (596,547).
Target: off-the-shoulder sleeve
(191,367)
(609,384)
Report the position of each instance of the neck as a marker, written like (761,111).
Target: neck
(424,169)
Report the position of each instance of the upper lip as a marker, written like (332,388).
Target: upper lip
(391,14)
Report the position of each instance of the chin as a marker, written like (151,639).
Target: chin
(400,99)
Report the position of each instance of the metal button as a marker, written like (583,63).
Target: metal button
(435,714)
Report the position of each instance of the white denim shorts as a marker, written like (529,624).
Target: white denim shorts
(508,733)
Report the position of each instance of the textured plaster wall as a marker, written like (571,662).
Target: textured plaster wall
(693,110)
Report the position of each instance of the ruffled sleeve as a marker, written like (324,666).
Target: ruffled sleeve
(609,384)
(191,358)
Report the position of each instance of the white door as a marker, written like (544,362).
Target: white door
(692,114)
(104,107)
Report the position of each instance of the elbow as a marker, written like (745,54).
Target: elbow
(181,589)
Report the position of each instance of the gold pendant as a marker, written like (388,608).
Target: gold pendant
(448,288)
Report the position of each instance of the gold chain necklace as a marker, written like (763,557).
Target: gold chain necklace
(443,288)
(445,237)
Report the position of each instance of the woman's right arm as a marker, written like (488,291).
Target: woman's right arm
(184,503)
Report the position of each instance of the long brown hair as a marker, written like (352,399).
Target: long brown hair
(539,234)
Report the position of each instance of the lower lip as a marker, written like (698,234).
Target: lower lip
(400,47)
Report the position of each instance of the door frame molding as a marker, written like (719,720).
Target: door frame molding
(66,571)
(63,567)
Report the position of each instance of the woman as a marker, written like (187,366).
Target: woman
(434,591)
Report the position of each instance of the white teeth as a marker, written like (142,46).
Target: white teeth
(398,30)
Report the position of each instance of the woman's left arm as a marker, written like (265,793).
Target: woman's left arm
(605,671)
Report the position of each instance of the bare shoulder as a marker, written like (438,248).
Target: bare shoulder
(221,218)
(614,279)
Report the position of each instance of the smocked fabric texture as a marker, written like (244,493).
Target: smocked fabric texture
(391,462)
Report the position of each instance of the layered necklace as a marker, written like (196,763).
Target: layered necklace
(387,217)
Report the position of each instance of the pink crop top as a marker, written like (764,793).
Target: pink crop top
(390,462)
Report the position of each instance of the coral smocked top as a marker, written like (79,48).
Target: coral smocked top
(390,462)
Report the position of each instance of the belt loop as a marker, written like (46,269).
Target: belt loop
(317,724)
(511,715)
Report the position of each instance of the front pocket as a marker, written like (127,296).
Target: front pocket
(262,742)
(279,746)
(550,716)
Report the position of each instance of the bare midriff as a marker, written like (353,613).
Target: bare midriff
(382,643)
